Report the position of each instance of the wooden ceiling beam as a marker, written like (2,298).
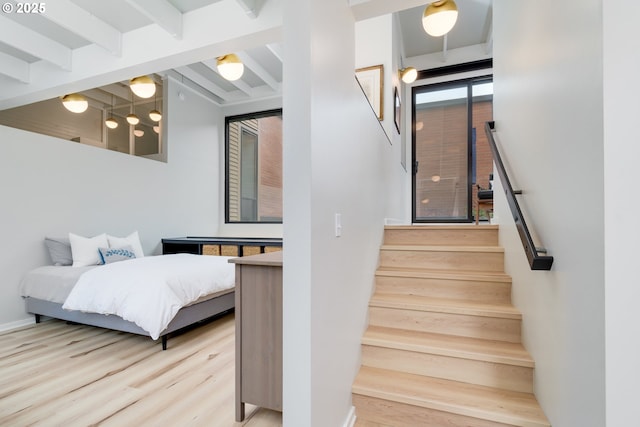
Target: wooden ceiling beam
(79,21)
(162,13)
(34,44)
(15,68)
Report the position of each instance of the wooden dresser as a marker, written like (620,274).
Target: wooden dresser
(258,332)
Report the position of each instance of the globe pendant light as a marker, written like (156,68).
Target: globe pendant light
(132,119)
(138,132)
(75,103)
(154,114)
(440,17)
(111,123)
(143,86)
(230,67)
(408,75)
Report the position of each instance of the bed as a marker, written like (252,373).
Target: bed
(152,296)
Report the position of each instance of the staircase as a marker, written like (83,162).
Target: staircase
(443,343)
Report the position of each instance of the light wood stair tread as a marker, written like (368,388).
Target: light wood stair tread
(442,227)
(443,248)
(420,303)
(487,276)
(449,345)
(514,408)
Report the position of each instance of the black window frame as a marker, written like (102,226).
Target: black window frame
(469,82)
(236,118)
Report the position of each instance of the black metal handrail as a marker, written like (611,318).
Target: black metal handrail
(536,261)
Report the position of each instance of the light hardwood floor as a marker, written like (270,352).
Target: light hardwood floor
(58,374)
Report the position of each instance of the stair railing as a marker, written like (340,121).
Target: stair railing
(536,261)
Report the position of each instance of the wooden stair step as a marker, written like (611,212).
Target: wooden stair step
(420,303)
(465,235)
(495,321)
(484,362)
(472,285)
(481,276)
(444,248)
(449,345)
(467,400)
(461,258)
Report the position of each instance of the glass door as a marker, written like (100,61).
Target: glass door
(446,141)
(441,154)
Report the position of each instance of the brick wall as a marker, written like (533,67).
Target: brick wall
(270,164)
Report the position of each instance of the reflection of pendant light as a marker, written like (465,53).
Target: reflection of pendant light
(440,17)
(230,67)
(132,119)
(156,129)
(408,75)
(75,103)
(154,114)
(138,132)
(111,123)
(143,86)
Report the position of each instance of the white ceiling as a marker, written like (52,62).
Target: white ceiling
(68,27)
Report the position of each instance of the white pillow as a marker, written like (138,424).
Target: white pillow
(85,250)
(132,240)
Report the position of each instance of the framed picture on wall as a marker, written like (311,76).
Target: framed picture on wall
(396,108)
(371,82)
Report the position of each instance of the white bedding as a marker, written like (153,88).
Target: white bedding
(51,282)
(149,291)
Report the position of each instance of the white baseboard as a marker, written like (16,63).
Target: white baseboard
(17,324)
(351,418)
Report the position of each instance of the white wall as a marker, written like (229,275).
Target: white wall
(621,207)
(548,113)
(374,46)
(378,41)
(51,187)
(336,160)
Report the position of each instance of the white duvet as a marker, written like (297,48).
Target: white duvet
(149,291)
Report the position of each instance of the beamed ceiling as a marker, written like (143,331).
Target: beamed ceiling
(80,45)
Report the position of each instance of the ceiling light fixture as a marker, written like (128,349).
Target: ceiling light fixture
(75,103)
(230,67)
(111,123)
(440,17)
(132,119)
(408,75)
(143,86)
(138,132)
(154,114)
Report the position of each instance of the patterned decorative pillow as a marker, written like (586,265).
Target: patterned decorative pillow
(132,239)
(109,255)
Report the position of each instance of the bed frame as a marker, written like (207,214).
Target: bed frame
(187,316)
